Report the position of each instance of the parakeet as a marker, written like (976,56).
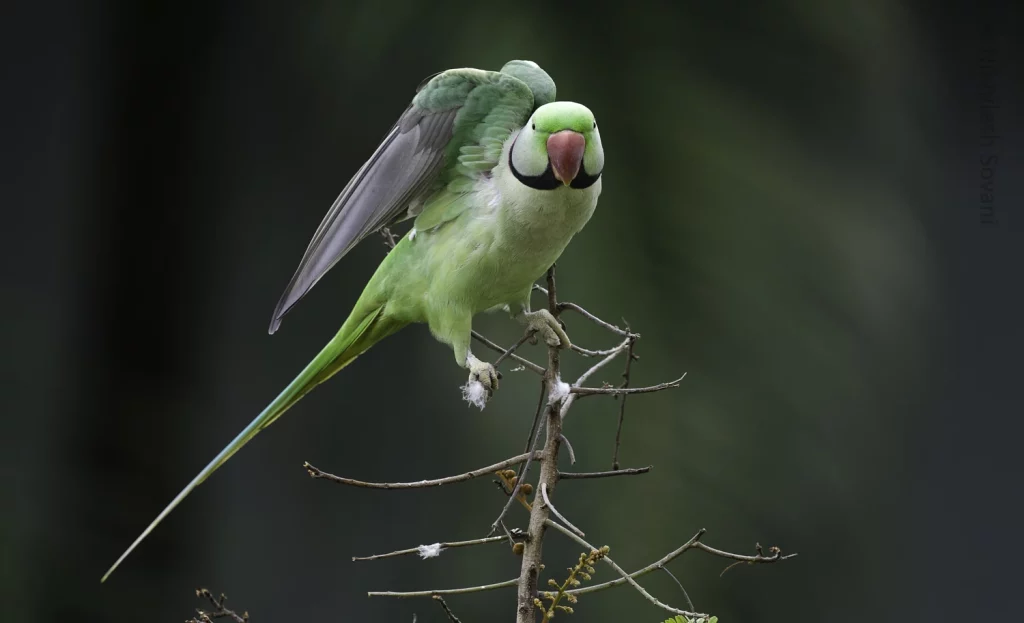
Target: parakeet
(498,177)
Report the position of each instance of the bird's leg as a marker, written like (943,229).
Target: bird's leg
(483,378)
(542,324)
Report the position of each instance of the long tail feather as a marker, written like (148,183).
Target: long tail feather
(339,352)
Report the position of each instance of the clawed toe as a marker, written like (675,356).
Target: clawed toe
(486,376)
(482,383)
(546,327)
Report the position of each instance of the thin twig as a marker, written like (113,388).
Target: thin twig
(445,591)
(775,554)
(512,349)
(507,486)
(591,317)
(622,401)
(419,484)
(447,610)
(568,446)
(680,585)
(563,305)
(554,511)
(508,534)
(592,391)
(523,473)
(529,365)
(629,471)
(693,543)
(612,354)
(531,439)
(415,550)
(654,566)
(568,402)
(586,352)
(220,611)
(625,576)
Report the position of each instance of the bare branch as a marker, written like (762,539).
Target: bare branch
(654,566)
(219,610)
(583,377)
(445,591)
(626,576)
(622,402)
(586,352)
(694,543)
(680,585)
(529,365)
(515,533)
(568,446)
(419,484)
(629,471)
(592,391)
(523,473)
(554,511)
(612,354)
(774,555)
(447,610)
(512,349)
(591,317)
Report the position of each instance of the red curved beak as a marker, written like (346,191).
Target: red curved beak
(565,152)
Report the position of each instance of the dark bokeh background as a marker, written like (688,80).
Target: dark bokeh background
(790,214)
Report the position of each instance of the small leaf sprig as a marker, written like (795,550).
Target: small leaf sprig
(584,569)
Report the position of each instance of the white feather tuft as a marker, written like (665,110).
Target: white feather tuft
(474,393)
(559,391)
(429,551)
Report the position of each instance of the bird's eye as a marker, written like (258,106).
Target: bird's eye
(595,125)
(533,126)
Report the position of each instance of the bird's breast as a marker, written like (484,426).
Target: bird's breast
(542,222)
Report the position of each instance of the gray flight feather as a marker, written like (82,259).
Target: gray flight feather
(399,172)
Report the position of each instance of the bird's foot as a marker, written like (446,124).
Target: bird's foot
(483,381)
(546,327)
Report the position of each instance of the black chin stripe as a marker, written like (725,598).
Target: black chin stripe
(547,179)
(583,179)
(544,181)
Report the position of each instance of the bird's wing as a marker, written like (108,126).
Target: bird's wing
(451,132)
(478,153)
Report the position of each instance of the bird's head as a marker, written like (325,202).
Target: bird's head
(559,146)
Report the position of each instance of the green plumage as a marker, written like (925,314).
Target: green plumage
(483,233)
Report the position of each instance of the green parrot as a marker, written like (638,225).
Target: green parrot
(498,176)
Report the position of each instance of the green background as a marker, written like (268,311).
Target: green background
(789,216)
